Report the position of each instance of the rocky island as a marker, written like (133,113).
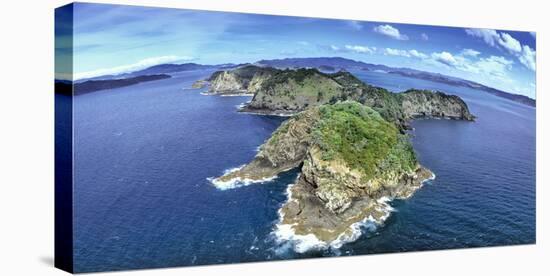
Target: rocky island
(239,81)
(287,92)
(347,138)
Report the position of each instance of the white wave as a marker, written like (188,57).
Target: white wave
(286,238)
(237,95)
(430,178)
(268,114)
(237,181)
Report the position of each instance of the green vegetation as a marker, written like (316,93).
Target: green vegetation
(358,135)
(278,132)
(388,104)
(283,76)
(323,88)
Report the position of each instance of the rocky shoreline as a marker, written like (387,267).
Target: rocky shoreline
(348,139)
(304,213)
(332,193)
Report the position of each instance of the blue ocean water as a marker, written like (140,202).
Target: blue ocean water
(143,154)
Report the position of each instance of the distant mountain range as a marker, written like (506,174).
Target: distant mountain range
(322,63)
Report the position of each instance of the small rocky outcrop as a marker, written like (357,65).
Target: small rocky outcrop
(199,84)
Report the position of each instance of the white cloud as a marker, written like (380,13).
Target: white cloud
(404,53)
(494,66)
(417,54)
(503,40)
(303,43)
(142,64)
(467,61)
(495,39)
(396,52)
(509,43)
(334,48)
(360,49)
(445,58)
(470,52)
(424,36)
(528,57)
(490,37)
(390,31)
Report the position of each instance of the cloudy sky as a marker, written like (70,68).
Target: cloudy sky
(110,39)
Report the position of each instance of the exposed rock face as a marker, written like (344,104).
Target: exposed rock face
(285,150)
(228,82)
(349,156)
(308,213)
(422,103)
(243,80)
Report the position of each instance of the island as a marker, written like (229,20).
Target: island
(348,139)
(97,85)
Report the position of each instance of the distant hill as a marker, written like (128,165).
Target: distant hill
(162,69)
(322,62)
(96,85)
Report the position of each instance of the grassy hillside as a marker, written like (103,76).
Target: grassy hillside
(358,135)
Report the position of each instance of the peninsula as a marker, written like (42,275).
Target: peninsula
(347,138)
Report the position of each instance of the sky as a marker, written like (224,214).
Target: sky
(113,39)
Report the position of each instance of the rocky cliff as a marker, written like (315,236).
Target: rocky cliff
(243,80)
(422,103)
(286,92)
(350,157)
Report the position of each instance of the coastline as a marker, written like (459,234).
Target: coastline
(289,232)
(266,112)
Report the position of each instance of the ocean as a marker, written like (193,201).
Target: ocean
(143,155)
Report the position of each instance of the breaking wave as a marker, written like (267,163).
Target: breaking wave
(286,238)
(237,181)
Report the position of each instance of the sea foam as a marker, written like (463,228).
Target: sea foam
(286,238)
(237,181)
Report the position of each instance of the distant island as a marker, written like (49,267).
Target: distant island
(79,88)
(323,64)
(347,138)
